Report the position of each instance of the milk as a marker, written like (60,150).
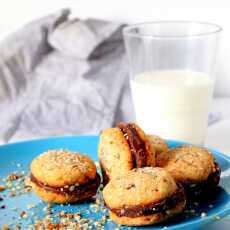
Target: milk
(173,104)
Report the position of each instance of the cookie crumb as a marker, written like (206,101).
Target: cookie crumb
(13,176)
(23,214)
(30,206)
(77,216)
(17,227)
(192,211)
(71,188)
(216,218)
(5,227)
(2,188)
(12,193)
(61,214)
(203,215)
(103,219)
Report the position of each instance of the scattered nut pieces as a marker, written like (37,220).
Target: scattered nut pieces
(70,215)
(27,189)
(13,176)
(12,193)
(217,218)
(71,188)
(61,214)
(27,182)
(30,206)
(19,183)
(2,188)
(5,227)
(77,216)
(103,219)
(17,227)
(23,214)
(203,215)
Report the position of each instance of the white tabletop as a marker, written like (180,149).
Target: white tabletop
(223,224)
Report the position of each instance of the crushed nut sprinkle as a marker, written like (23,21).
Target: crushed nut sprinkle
(23,214)
(5,227)
(216,218)
(13,176)
(203,215)
(2,188)
(71,188)
(16,184)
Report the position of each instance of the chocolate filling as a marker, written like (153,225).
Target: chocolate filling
(104,175)
(137,146)
(152,208)
(91,185)
(203,188)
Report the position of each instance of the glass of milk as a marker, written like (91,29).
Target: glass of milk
(172,68)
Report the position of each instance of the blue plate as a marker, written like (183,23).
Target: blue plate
(17,157)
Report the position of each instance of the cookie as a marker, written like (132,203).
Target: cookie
(192,166)
(123,148)
(159,144)
(143,196)
(61,176)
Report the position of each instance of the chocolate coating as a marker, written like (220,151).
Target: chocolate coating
(136,144)
(152,208)
(203,189)
(79,190)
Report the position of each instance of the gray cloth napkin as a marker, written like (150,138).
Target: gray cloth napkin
(90,38)
(61,76)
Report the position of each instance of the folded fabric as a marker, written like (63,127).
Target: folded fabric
(85,39)
(46,91)
(22,51)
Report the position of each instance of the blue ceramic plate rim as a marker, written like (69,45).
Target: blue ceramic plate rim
(223,213)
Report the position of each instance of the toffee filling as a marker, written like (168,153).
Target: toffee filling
(136,144)
(91,185)
(151,208)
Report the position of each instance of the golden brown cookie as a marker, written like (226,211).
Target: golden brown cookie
(123,148)
(143,196)
(61,176)
(191,165)
(159,144)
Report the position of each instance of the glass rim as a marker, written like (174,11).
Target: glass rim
(127,29)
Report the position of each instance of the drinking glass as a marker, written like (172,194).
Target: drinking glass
(172,72)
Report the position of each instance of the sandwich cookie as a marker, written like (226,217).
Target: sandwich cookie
(123,148)
(143,196)
(192,166)
(61,176)
(159,144)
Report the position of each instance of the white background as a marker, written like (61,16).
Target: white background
(15,13)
